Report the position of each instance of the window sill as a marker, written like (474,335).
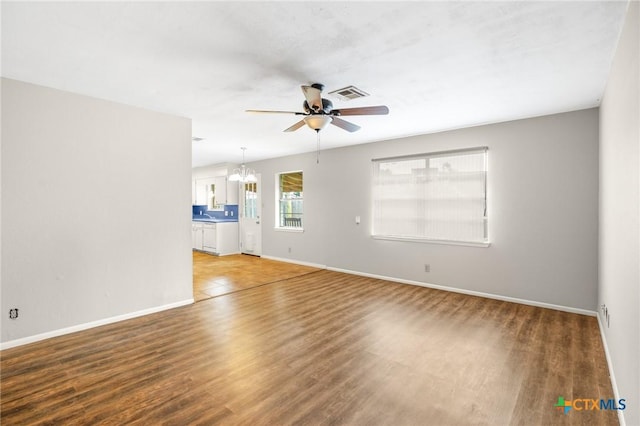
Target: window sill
(424,240)
(284,229)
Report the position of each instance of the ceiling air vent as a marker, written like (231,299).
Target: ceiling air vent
(348,93)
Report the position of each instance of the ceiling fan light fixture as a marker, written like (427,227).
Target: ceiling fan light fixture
(317,122)
(318,111)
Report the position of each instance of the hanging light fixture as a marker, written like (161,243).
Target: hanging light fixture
(317,122)
(243,174)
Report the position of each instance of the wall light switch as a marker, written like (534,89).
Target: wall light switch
(357,220)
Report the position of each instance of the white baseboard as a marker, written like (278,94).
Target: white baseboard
(442,287)
(614,384)
(297,262)
(92,324)
(471,292)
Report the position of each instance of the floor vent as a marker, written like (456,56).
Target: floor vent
(348,93)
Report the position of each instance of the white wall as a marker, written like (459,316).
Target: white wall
(619,259)
(543,205)
(95,210)
(213,170)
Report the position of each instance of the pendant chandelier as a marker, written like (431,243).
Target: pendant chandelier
(243,174)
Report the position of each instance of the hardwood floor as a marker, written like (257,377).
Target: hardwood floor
(217,275)
(319,348)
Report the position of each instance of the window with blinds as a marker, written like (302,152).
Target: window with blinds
(290,200)
(440,197)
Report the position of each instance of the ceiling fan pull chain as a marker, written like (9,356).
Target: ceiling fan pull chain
(318,148)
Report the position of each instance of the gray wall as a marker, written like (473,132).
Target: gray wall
(95,210)
(543,206)
(619,283)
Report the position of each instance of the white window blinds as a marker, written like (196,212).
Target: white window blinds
(437,196)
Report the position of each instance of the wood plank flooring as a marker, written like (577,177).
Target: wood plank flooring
(323,348)
(217,275)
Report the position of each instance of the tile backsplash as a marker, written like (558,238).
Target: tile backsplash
(199,210)
(230,211)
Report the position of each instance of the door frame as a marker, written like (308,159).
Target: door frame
(250,225)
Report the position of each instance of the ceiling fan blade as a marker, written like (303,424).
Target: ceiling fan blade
(371,110)
(262,111)
(295,126)
(349,127)
(313,97)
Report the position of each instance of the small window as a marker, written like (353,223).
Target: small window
(290,200)
(250,200)
(439,196)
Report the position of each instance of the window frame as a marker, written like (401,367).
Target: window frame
(424,239)
(252,206)
(279,199)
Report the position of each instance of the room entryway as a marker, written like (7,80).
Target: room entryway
(250,212)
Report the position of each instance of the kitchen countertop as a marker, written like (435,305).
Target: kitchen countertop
(213,220)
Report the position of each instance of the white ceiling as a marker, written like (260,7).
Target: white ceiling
(436,65)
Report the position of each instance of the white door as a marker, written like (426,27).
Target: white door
(250,222)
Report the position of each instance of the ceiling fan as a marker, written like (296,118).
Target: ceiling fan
(318,111)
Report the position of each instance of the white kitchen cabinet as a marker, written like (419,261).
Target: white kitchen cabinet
(209,237)
(217,238)
(214,192)
(232,192)
(204,192)
(221,190)
(228,238)
(226,191)
(197,235)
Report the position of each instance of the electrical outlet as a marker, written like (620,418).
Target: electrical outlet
(427,267)
(13,313)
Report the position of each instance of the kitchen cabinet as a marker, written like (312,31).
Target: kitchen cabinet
(197,236)
(214,192)
(228,238)
(226,192)
(217,238)
(204,194)
(221,190)
(209,241)
(232,192)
